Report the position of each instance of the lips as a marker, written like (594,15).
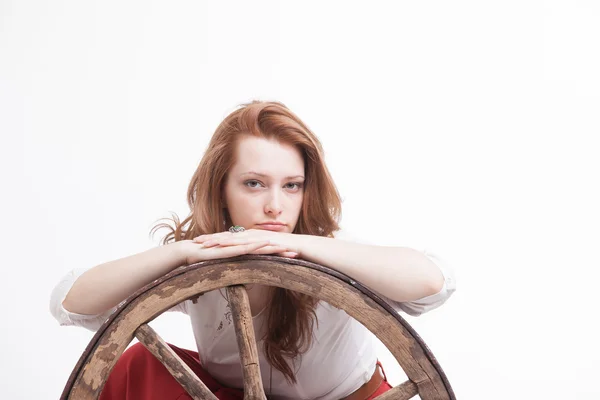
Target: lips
(272,226)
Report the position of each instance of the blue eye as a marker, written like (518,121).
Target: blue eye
(298,185)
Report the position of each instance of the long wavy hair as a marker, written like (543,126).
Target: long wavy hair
(290,315)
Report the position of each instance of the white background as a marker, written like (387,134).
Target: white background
(464,127)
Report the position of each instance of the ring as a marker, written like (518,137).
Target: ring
(236,228)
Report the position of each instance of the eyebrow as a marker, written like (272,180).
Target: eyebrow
(266,176)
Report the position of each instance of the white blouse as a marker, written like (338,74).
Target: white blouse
(342,350)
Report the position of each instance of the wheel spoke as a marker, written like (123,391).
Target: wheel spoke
(89,376)
(244,332)
(175,365)
(404,391)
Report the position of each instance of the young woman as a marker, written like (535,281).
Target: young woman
(264,173)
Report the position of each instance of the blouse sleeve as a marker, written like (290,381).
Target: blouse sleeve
(90,322)
(425,304)
(428,303)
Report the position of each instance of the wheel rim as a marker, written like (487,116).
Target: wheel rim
(424,372)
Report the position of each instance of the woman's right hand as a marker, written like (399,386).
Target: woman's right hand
(192,252)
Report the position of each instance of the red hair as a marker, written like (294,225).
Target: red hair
(286,336)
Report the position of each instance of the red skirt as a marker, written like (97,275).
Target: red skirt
(138,375)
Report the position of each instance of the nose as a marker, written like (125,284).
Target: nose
(273,204)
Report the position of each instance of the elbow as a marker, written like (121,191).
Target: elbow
(68,304)
(418,290)
(435,284)
(427,289)
(435,280)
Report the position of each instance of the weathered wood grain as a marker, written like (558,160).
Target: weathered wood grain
(174,364)
(97,361)
(244,332)
(404,391)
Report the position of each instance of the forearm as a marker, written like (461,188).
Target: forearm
(106,285)
(400,273)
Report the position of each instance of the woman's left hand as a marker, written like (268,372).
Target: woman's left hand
(276,240)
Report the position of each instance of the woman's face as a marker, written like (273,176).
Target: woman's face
(265,185)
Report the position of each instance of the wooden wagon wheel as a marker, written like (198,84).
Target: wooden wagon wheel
(130,320)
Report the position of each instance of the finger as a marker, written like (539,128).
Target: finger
(226,243)
(204,238)
(232,251)
(232,241)
(212,236)
(269,250)
(288,254)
